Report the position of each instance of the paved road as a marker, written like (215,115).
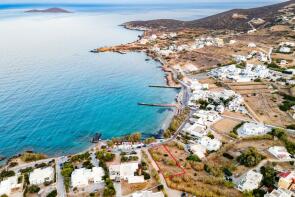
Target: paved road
(94,161)
(59,178)
(117,186)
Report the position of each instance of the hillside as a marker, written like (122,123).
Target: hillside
(236,19)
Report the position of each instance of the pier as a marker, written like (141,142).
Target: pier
(157,105)
(165,86)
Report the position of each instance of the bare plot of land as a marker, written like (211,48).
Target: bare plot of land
(225,126)
(262,103)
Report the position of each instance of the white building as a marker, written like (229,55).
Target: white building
(280,152)
(232,42)
(126,172)
(250,181)
(240,58)
(250,129)
(196,129)
(279,193)
(285,49)
(148,194)
(283,62)
(83,177)
(210,144)
(252,45)
(7,185)
(41,175)
(199,150)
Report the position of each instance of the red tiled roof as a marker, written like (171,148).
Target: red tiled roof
(284,174)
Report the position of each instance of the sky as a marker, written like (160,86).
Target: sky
(132,1)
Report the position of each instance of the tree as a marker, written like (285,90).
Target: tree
(210,135)
(6,173)
(250,157)
(135,137)
(146,175)
(52,194)
(269,175)
(259,193)
(33,189)
(87,164)
(193,158)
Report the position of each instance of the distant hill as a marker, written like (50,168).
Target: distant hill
(49,10)
(236,19)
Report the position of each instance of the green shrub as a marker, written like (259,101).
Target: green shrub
(269,176)
(193,158)
(5,174)
(33,189)
(250,157)
(52,194)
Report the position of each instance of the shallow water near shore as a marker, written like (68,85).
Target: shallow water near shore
(54,94)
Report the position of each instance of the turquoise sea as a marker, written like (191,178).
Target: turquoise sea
(54,94)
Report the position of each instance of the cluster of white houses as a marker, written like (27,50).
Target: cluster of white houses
(36,177)
(247,74)
(218,100)
(250,73)
(208,41)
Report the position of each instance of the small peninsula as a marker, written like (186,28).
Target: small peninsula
(49,10)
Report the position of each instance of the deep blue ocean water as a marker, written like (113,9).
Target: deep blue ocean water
(54,94)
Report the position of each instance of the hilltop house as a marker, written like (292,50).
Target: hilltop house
(285,49)
(39,176)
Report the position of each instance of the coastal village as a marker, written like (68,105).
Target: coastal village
(232,134)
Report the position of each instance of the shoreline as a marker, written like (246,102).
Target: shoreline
(170,81)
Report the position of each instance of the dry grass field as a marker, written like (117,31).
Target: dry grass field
(195,180)
(262,103)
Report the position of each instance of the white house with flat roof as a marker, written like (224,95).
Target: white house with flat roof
(198,150)
(126,172)
(41,175)
(83,177)
(148,194)
(280,193)
(7,185)
(285,49)
(210,144)
(250,181)
(280,152)
(250,129)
